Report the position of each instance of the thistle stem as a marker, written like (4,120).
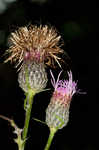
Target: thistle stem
(28,107)
(50,138)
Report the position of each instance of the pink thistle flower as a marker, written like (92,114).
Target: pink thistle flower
(64,89)
(57,113)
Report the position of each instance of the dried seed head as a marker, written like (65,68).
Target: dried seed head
(40,44)
(32,76)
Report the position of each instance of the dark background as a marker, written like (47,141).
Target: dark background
(77,22)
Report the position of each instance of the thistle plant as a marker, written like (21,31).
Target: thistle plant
(31,49)
(57,112)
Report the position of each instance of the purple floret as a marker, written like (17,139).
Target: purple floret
(64,87)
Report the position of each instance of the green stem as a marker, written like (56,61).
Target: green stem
(50,138)
(29,100)
(20,143)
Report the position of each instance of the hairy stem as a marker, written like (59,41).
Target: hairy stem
(28,108)
(50,138)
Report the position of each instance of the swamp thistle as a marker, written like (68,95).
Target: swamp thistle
(31,49)
(57,112)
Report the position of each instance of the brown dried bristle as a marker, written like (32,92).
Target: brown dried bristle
(34,43)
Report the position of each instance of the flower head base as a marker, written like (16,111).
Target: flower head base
(64,89)
(32,76)
(57,113)
(40,44)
